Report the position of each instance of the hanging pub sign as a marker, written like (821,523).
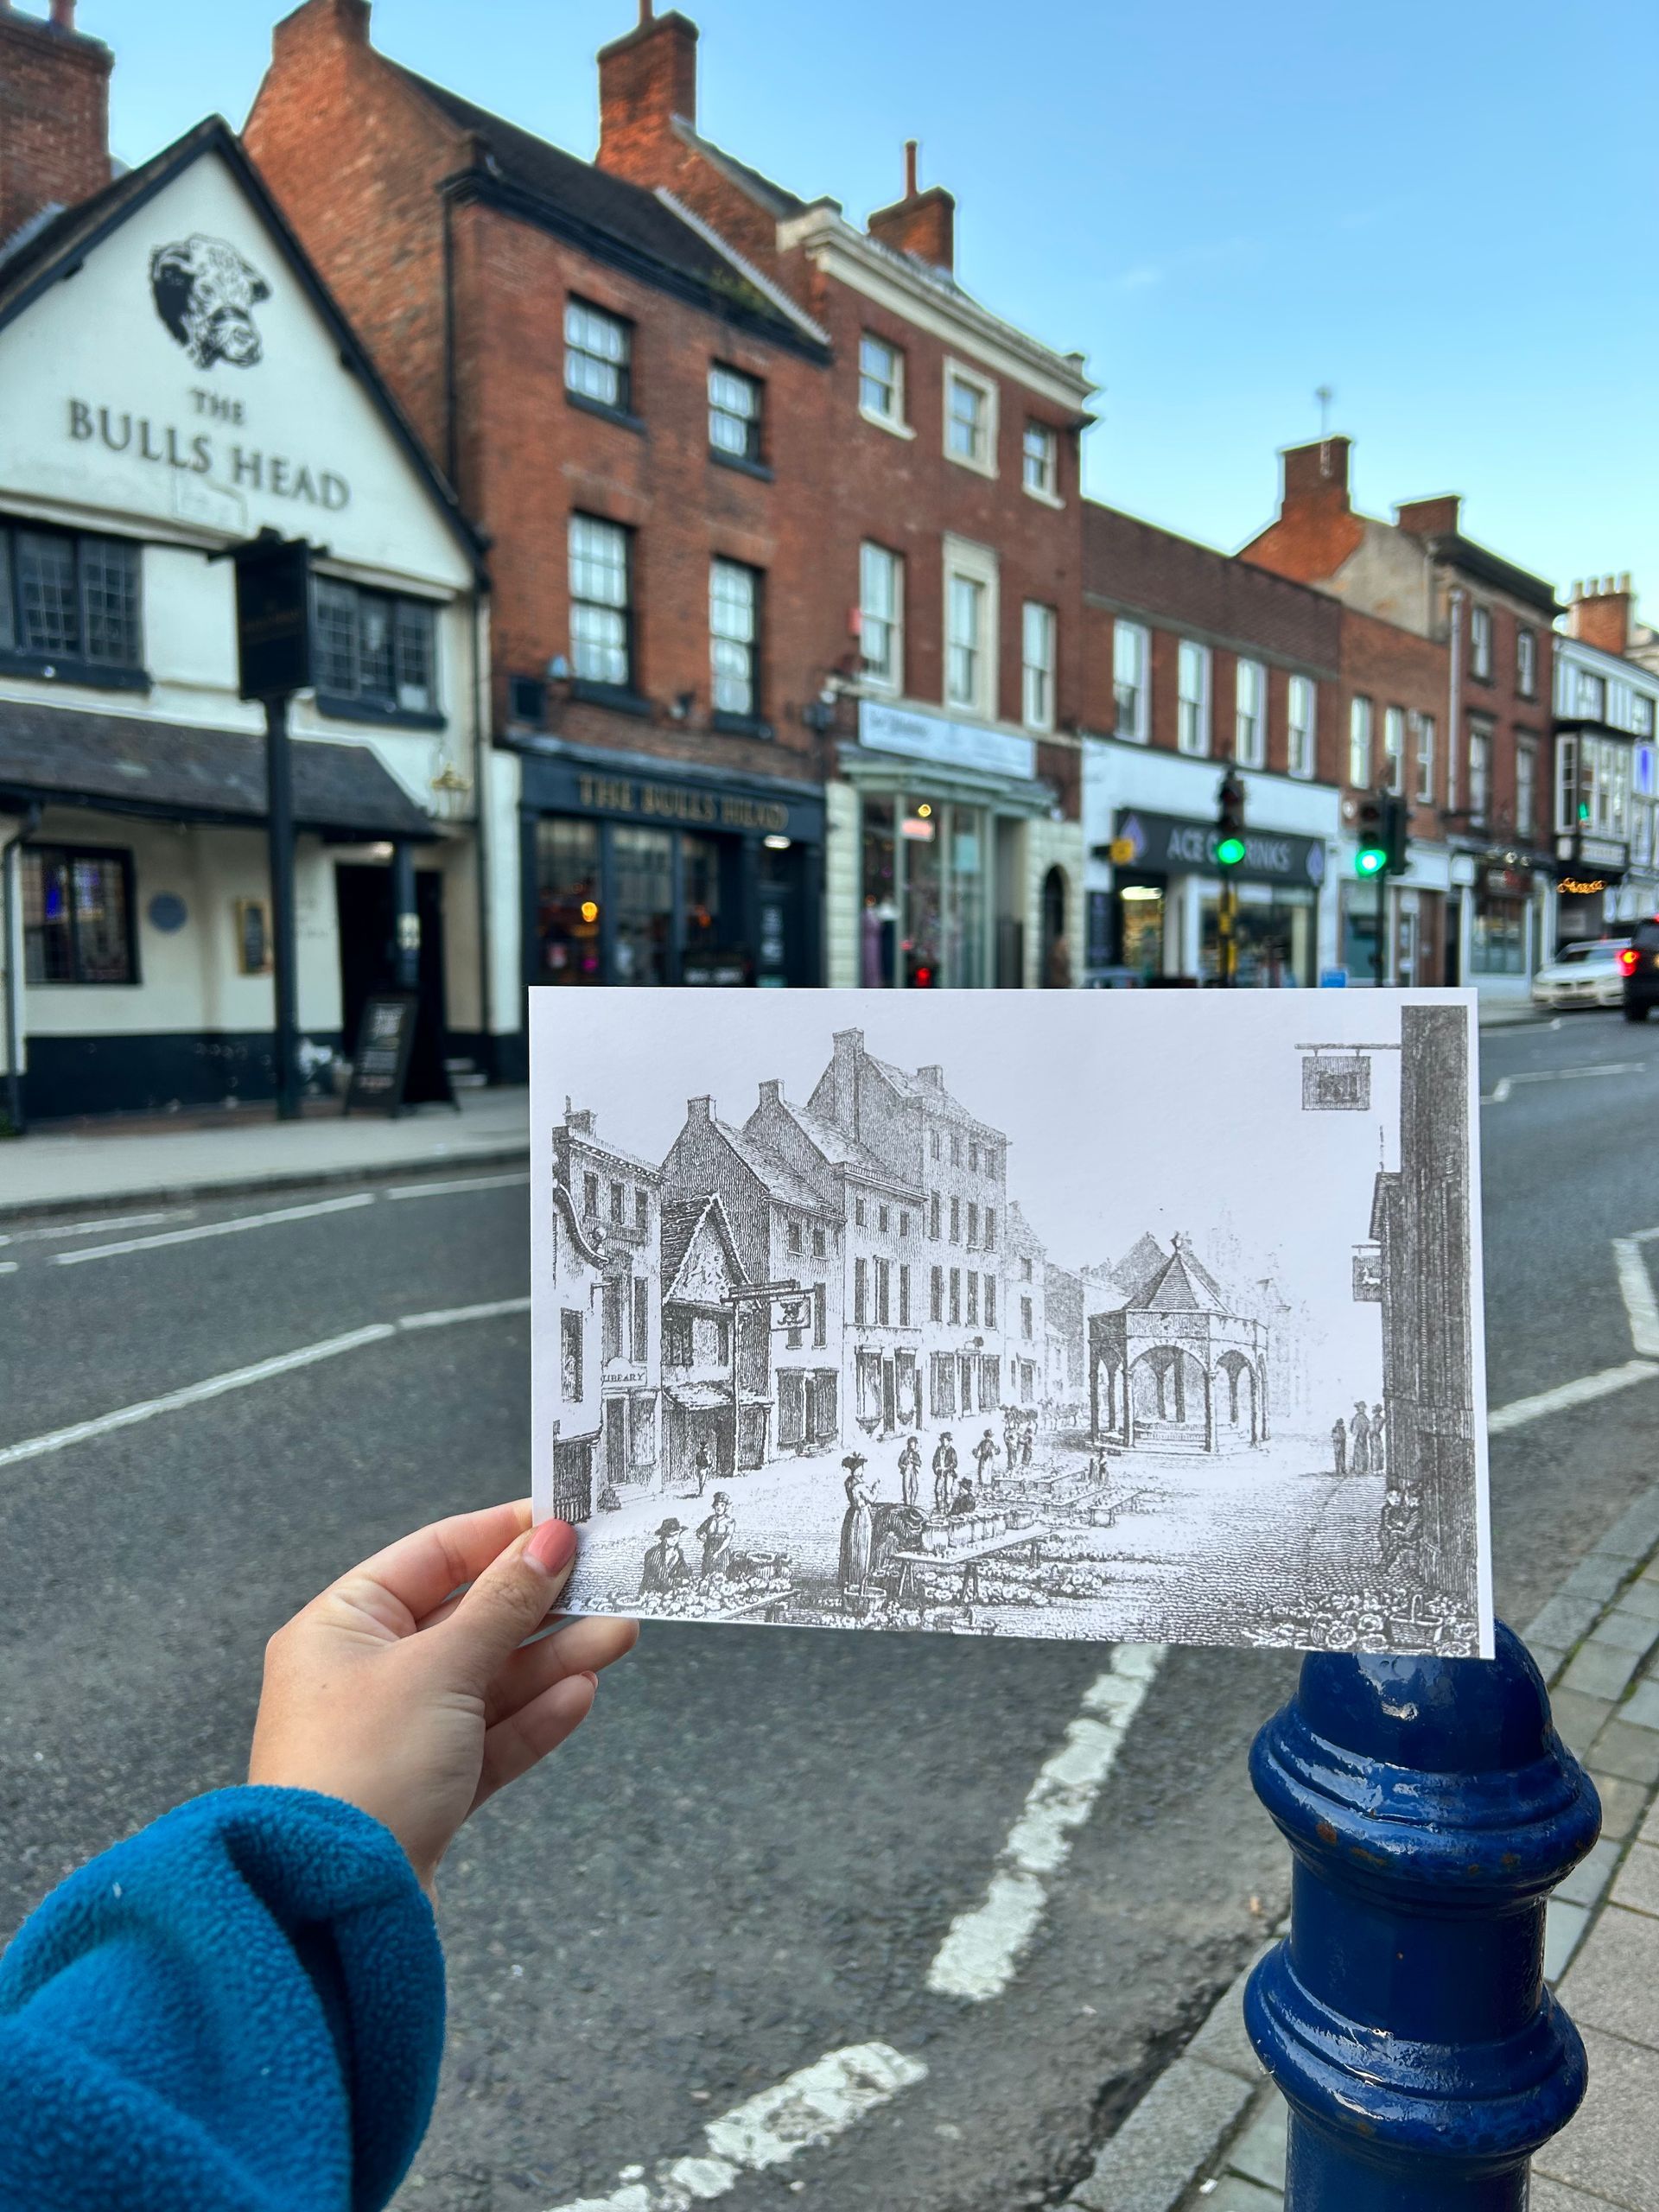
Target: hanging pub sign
(273,615)
(1336,1082)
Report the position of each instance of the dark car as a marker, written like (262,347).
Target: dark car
(1640,961)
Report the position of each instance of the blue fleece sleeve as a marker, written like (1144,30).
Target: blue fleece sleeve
(240,2008)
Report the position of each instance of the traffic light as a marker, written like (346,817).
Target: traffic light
(1230,821)
(1372,835)
(1396,836)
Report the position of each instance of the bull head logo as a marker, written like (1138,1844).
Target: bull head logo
(206,293)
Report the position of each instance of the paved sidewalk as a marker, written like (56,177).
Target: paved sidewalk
(1209,2136)
(100,1166)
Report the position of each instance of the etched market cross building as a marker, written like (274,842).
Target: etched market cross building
(1173,1369)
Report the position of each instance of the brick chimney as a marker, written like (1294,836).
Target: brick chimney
(1319,473)
(922,223)
(843,1079)
(54,114)
(699,1113)
(580,1124)
(1601,613)
(646,78)
(1435,518)
(772,1093)
(320,19)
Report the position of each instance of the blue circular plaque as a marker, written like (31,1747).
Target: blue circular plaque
(167,912)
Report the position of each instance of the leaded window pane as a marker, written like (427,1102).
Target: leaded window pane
(336,611)
(109,587)
(417,691)
(47,954)
(374,647)
(100,912)
(47,595)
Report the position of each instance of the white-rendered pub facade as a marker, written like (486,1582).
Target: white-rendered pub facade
(1604,816)
(176,380)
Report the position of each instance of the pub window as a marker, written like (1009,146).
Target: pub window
(68,598)
(734,413)
(77,916)
(374,649)
(734,630)
(601,610)
(677,1340)
(795,1236)
(598,356)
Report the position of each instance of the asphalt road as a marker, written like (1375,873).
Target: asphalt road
(751,1856)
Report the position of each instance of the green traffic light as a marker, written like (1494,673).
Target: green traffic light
(1231,851)
(1370,859)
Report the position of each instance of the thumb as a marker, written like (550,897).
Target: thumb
(508,1602)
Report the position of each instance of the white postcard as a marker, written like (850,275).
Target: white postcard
(1132,1315)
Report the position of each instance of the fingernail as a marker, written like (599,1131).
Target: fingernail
(552,1547)
(591,1675)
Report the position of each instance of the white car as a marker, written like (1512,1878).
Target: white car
(1583,975)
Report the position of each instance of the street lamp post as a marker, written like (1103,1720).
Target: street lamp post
(273,636)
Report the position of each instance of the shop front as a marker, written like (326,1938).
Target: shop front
(1167,891)
(1589,887)
(637,871)
(952,871)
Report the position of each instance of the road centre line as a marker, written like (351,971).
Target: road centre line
(465,1183)
(982,1945)
(216,1229)
(804,2110)
(98,1228)
(240,1378)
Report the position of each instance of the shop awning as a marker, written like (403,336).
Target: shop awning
(175,771)
(698,1397)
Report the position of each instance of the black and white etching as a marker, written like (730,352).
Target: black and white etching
(1116,1316)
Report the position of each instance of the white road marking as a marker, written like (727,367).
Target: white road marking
(983,1945)
(1635,1288)
(1520,1411)
(7,1267)
(216,1229)
(99,1228)
(1506,1083)
(239,1378)
(808,2108)
(466,1183)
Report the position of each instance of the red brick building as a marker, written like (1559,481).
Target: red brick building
(1477,780)
(1195,660)
(785,526)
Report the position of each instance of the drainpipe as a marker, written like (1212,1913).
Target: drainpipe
(484,834)
(1453,739)
(11,937)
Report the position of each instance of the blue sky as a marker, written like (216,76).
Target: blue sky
(1440,212)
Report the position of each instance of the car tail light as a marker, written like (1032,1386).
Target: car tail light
(1629,961)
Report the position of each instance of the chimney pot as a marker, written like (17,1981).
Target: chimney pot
(909,168)
(1578,588)
(63,15)
(647,78)
(1625,581)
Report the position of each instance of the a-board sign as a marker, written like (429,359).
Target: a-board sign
(385,1037)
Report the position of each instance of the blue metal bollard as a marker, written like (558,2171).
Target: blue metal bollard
(1431,1808)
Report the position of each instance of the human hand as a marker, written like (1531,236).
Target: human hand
(415,1704)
